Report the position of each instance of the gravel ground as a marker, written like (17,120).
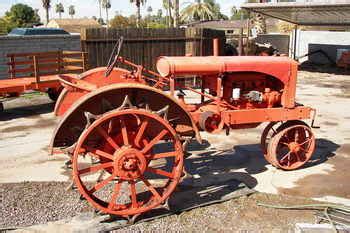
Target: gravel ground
(238,215)
(29,203)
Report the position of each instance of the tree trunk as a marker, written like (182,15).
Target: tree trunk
(47,16)
(100,6)
(107,20)
(177,15)
(138,14)
(60,14)
(170,15)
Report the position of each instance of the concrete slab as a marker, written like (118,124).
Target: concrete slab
(25,134)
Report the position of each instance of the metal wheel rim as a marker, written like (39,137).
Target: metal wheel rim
(130,211)
(293,158)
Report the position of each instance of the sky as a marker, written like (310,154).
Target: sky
(89,8)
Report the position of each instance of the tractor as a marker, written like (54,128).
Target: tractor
(126,130)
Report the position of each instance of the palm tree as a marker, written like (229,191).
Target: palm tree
(198,11)
(149,10)
(177,14)
(59,9)
(71,11)
(100,7)
(106,4)
(47,6)
(138,12)
(167,4)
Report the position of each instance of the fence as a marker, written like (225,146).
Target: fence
(143,46)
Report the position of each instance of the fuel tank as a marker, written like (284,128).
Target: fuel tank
(280,67)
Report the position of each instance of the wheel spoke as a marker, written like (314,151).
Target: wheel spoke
(163,155)
(305,142)
(296,135)
(133,194)
(115,195)
(95,168)
(110,126)
(154,141)
(140,132)
(160,172)
(124,132)
(101,184)
(286,156)
(297,156)
(151,188)
(98,152)
(104,134)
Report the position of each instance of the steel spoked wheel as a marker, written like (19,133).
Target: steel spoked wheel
(292,147)
(269,131)
(118,166)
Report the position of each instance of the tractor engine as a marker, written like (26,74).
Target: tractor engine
(230,84)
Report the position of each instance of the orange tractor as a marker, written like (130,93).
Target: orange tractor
(127,130)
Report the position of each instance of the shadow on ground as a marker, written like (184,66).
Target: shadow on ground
(213,179)
(26,111)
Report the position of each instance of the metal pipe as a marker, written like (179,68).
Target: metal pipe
(295,42)
(216,49)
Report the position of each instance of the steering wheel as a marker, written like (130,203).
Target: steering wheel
(115,54)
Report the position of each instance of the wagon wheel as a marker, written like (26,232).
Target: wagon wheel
(271,130)
(129,175)
(292,147)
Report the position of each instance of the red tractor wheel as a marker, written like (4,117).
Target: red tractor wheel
(271,130)
(125,174)
(292,147)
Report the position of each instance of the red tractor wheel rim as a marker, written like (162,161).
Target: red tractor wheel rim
(292,147)
(129,164)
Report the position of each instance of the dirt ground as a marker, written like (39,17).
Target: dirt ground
(33,185)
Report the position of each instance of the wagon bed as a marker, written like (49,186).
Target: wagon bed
(38,71)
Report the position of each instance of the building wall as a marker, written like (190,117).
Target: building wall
(29,44)
(327,41)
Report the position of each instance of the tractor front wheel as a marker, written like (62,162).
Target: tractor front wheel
(291,147)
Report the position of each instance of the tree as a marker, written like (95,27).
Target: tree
(138,11)
(177,13)
(149,10)
(20,15)
(100,20)
(120,21)
(216,10)
(168,5)
(71,11)
(238,14)
(47,6)
(59,9)
(106,4)
(159,14)
(198,11)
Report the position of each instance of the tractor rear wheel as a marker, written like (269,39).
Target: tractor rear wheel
(128,162)
(291,147)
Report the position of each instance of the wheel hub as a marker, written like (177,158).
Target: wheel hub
(129,164)
(294,147)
